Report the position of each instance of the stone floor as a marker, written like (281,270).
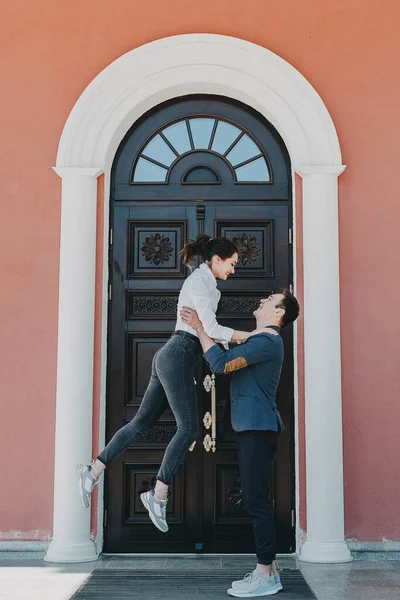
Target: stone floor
(22,579)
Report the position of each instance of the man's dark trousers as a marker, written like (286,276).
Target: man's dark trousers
(255,464)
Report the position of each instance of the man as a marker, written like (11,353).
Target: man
(256,368)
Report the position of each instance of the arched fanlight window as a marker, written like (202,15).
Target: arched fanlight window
(194,134)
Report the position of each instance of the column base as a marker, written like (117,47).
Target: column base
(325,552)
(64,552)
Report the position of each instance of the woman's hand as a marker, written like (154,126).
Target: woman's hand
(191,318)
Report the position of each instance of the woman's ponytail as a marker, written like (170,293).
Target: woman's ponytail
(207,247)
(195,248)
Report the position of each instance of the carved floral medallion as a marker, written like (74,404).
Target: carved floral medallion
(157,249)
(249,248)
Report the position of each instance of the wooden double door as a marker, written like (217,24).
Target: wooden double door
(150,221)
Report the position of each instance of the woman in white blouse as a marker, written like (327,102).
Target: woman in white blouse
(171,383)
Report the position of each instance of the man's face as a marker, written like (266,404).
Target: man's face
(268,307)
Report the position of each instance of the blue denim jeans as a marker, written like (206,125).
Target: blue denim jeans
(171,384)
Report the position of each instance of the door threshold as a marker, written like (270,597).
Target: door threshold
(187,554)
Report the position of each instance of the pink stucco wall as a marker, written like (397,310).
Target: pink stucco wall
(51,51)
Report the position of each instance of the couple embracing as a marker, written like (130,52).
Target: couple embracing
(255,363)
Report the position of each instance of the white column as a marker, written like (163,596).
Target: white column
(323,398)
(73,444)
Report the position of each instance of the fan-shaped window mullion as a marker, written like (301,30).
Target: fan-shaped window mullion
(166,140)
(213,134)
(155,162)
(225,135)
(148,171)
(201,128)
(254,171)
(234,143)
(244,149)
(177,134)
(190,133)
(249,160)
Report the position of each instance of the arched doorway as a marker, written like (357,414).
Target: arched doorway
(197,164)
(119,96)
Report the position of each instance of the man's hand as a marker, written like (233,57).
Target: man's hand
(191,318)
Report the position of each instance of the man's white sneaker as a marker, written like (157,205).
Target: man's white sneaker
(86,483)
(277,579)
(157,509)
(254,585)
(275,574)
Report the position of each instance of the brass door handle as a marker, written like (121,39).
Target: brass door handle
(210,443)
(207,443)
(207,420)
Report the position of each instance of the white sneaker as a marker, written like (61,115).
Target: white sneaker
(86,483)
(275,574)
(254,585)
(277,580)
(157,509)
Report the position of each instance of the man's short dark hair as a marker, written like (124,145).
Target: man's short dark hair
(291,306)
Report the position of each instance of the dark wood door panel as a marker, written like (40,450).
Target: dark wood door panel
(210,521)
(141,347)
(153,249)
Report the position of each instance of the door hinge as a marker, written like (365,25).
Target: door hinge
(109,291)
(111,237)
(105,519)
(293,515)
(290,237)
(291,288)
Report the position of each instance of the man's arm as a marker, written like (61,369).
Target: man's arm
(205,340)
(257,349)
(191,318)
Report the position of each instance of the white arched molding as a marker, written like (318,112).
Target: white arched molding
(113,101)
(190,64)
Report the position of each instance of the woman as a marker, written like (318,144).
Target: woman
(172,383)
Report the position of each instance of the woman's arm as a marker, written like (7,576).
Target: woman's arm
(200,296)
(193,319)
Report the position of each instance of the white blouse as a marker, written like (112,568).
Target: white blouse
(201,293)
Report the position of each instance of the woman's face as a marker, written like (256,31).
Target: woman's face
(222,268)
